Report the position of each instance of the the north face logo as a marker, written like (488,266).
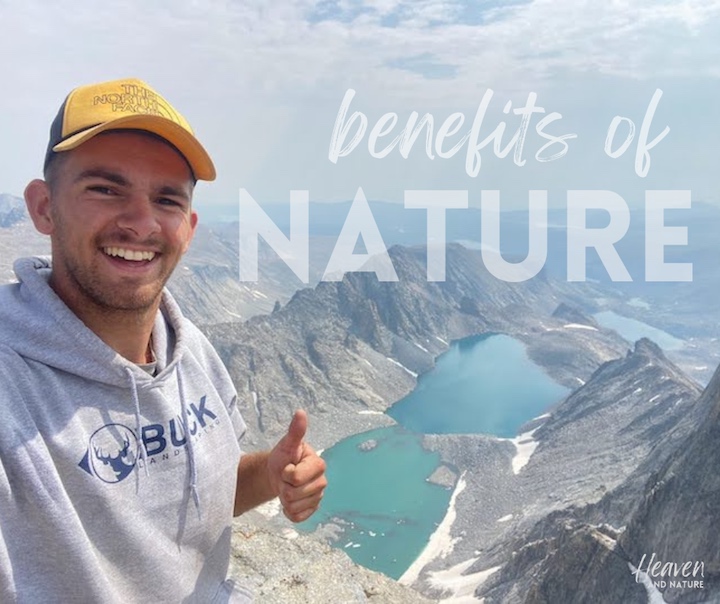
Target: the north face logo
(112,453)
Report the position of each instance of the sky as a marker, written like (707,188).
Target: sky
(263,84)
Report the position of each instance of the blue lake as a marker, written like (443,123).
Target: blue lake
(481,385)
(381,497)
(632,330)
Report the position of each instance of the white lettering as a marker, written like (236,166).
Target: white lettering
(360,222)
(436,202)
(616,121)
(254,222)
(380,130)
(449,127)
(340,129)
(537,238)
(658,236)
(579,237)
(642,156)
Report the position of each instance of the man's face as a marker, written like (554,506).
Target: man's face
(120,219)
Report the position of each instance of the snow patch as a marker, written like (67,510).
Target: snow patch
(441,542)
(579,326)
(394,362)
(525,445)
(461,586)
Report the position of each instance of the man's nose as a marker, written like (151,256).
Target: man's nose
(139,217)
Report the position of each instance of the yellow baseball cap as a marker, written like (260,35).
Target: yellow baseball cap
(128,104)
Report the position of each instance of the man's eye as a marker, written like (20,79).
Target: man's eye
(101,190)
(165,201)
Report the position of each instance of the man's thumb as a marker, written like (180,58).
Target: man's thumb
(296,433)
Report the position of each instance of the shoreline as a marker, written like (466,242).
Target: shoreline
(440,543)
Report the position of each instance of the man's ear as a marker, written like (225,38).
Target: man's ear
(193,227)
(37,200)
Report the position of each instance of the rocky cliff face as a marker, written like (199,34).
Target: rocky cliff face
(347,350)
(623,451)
(615,476)
(669,518)
(296,569)
(679,515)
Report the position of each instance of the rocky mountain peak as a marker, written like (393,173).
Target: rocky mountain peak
(12,210)
(574,315)
(649,350)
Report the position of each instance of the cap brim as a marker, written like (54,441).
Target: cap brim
(195,154)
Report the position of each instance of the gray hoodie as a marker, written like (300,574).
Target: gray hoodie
(115,486)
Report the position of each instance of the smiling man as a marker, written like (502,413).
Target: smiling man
(120,467)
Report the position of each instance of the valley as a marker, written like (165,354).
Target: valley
(553,513)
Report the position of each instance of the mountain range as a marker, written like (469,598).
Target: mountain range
(623,468)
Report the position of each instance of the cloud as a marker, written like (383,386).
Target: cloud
(263,80)
(273,48)
(425,65)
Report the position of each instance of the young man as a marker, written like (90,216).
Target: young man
(120,468)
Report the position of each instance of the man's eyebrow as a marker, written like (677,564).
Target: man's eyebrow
(118,179)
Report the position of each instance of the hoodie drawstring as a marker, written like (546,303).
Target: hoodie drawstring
(138,427)
(185,411)
(190,447)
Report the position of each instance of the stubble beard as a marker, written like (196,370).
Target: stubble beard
(111,298)
(89,286)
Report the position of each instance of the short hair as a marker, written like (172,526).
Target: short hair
(52,169)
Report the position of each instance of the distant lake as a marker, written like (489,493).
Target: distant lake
(632,330)
(482,385)
(381,497)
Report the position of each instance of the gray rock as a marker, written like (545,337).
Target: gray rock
(368,445)
(297,569)
(444,477)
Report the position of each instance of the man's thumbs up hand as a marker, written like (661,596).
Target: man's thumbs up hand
(296,472)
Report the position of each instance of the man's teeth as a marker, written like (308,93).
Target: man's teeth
(134,255)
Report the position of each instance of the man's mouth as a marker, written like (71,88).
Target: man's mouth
(131,255)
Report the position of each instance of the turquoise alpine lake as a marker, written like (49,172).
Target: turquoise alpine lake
(481,385)
(379,498)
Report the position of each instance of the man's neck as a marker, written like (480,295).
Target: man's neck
(127,332)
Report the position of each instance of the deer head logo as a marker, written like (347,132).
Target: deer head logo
(112,453)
